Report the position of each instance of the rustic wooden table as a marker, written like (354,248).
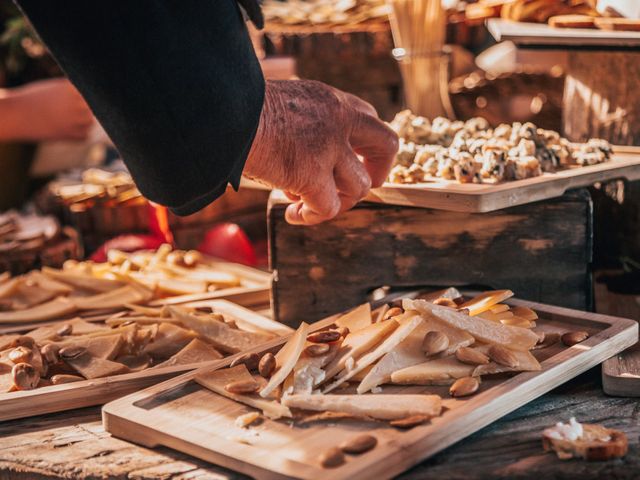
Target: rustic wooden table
(74,445)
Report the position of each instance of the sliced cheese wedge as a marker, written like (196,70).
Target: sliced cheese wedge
(407,323)
(356,319)
(218,379)
(81,281)
(219,334)
(106,347)
(382,407)
(286,359)
(114,298)
(485,301)
(56,308)
(515,338)
(195,352)
(440,370)
(92,367)
(409,352)
(358,343)
(48,283)
(169,340)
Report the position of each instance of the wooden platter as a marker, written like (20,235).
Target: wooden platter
(472,197)
(57,398)
(182,415)
(542,35)
(621,373)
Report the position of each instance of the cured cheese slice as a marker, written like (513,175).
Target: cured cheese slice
(485,301)
(195,352)
(356,319)
(114,298)
(515,338)
(48,283)
(409,352)
(286,359)
(56,308)
(526,363)
(218,379)
(219,334)
(308,370)
(407,323)
(438,370)
(92,367)
(382,407)
(106,347)
(169,341)
(358,343)
(81,281)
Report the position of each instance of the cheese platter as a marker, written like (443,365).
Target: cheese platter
(76,363)
(154,278)
(384,384)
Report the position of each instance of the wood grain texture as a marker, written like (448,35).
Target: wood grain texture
(172,414)
(85,393)
(541,251)
(473,197)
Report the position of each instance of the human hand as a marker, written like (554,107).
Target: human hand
(45,110)
(307,145)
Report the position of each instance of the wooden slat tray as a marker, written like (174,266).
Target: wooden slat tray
(472,197)
(542,35)
(182,415)
(57,398)
(621,373)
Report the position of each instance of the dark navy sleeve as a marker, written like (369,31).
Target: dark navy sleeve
(176,85)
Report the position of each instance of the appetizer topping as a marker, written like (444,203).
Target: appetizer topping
(332,458)
(464,386)
(393,312)
(573,338)
(325,336)
(317,349)
(25,377)
(434,342)
(359,444)
(471,356)
(503,356)
(267,365)
(242,386)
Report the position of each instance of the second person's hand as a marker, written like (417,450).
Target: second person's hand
(308,142)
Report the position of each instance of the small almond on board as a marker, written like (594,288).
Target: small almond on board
(332,458)
(359,444)
(267,365)
(503,356)
(317,349)
(471,356)
(393,312)
(573,338)
(242,387)
(325,336)
(464,386)
(434,342)
(409,422)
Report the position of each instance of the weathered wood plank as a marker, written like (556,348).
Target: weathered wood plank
(74,445)
(542,251)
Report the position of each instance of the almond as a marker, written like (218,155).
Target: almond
(409,422)
(471,356)
(445,302)
(251,360)
(64,378)
(64,330)
(25,377)
(464,386)
(359,444)
(267,365)
(242,387)
(434,342)
(23,341)
(503,356)
(393,312)
(326,336)
(572,338)
(317,349)
(344,331)
(50,353)
(68,353)
(21,355)
(332,458)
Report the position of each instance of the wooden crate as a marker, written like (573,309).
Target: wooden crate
(542,251)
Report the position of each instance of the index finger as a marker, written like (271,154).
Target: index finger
(377,143)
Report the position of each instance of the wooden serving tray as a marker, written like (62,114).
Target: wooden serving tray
(478,197)
(542,35)
(58,398)
(187,417)
(621,373)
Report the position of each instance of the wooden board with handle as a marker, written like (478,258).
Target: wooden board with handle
(181,414)
(57,398)
(477,197)
(542,35)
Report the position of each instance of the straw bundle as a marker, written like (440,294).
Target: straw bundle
(419,28)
